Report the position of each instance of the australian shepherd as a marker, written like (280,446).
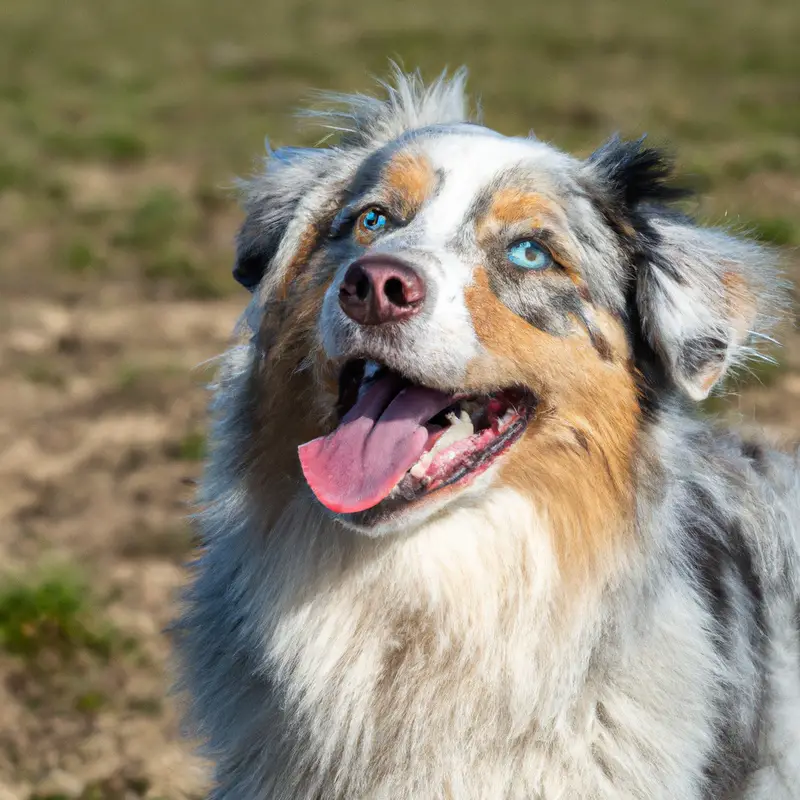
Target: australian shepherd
(464,533)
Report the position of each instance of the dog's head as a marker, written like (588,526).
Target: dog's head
(439,310)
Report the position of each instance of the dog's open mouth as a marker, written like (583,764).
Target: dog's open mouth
(396,438)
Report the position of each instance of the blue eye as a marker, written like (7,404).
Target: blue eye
(373,220)
(529,255)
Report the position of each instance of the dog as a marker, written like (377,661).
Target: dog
(464,532)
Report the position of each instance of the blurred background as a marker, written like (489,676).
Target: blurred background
(122,126)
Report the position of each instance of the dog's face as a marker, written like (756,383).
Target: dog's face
(446,311)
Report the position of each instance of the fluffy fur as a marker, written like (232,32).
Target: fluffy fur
(613,611)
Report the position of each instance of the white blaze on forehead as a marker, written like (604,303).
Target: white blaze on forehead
(469,164)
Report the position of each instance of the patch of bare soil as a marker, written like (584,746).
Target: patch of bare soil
(100,414)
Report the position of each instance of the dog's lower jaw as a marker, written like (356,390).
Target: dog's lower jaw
(405,520)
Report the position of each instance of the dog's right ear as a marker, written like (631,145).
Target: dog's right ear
(270,201)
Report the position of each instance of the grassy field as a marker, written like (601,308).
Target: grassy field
(122,126)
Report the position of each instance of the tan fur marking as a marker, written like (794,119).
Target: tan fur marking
(407,182)
(510,206)
(289,375)
(410,179)
(308,242)
(740,300)
(575,459)
(709,378)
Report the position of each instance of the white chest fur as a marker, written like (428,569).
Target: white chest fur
(443,665)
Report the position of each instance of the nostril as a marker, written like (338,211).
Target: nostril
(395,292)
(356,284)
(363,285)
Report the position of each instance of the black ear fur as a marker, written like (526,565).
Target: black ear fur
(255,248)
(271,200)
(636,175)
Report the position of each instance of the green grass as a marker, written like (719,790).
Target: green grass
(173,543)
(43,371)
(90,702)
(138,378)
(756,373)
(79,258)
(50,611)
(15,176)
(148,706)
(776,230)
(768,159)
(49,796)
(114,788)
(192,447)
(148,91)
(155,221)
(188,278)
(114,146)
(130,377)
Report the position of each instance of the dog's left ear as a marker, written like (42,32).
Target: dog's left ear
(701,295)
(271,200)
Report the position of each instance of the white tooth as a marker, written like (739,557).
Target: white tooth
(462,419)
(460,429)
(460,423)
(421,467)
(507,418)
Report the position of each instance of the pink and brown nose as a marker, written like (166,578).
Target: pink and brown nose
(380,289)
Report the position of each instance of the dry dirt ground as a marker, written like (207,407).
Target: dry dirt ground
(95,476)
(121,124)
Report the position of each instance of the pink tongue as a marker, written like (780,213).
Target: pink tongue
(376,443)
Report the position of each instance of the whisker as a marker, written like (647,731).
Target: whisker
(765,337)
